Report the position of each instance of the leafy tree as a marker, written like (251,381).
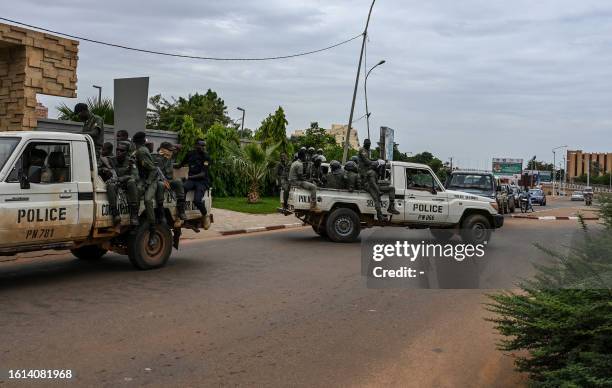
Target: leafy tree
(205,109)
(226,180)
(102,108)
(314,137)
(273,130)
(188,134)
(255,164)
(561,320)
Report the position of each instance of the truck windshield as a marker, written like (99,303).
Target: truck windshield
(468,181)
(7,145)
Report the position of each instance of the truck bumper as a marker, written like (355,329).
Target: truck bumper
(498,220)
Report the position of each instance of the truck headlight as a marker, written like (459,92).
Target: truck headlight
(495,206)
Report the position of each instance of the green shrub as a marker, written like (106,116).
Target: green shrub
(563,317)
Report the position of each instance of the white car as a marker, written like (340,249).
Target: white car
(577,196)
(422,200)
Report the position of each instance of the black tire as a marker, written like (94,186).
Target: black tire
(145,256)
(343,225)
(89,252)
(476,229)
(442,234)
(320,230)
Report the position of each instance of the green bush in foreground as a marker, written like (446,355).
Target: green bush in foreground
(562,319)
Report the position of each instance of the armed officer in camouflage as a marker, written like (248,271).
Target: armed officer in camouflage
(298,179)
(125,178)
(147,176)
(335,179)
(282,176)
(370,180)
(353,180)
(92,125)
(164,161)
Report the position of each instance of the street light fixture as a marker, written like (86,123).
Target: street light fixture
(554,167)
(242,110)
(365,92)
(350,123)
(99,93)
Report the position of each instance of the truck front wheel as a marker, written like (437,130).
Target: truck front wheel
(149,251)
(476,229)
(342,225)
(89,252)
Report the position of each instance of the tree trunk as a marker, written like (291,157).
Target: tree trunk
(253,196)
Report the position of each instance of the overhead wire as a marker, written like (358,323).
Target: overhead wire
(155,52)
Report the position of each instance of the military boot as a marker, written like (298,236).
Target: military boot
(180,209)
(392,209)
(134,215)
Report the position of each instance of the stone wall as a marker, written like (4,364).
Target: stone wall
(32,62)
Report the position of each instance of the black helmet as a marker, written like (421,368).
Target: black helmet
(350,166)
(80,107)
(302,149)
(301,153)
(320,151)
(317,159)
(354,158)
(335,165)
(311,150)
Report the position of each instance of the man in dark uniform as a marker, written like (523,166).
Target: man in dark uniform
(335,179)
(370,180)
(297,179)
(353,180)
(164,161)
(282,176)
(126,176)
(123,135)
(147,174)
(92,125)
(198,177)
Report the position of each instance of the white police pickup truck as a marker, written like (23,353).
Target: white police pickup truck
(51,197)
(420,197)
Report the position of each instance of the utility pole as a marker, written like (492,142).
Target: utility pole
(242,126)
(99,93)
(365,92)
(350,123)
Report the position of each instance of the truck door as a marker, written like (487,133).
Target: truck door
(47,211)
(421,204)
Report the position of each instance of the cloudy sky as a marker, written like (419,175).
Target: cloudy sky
(472,79)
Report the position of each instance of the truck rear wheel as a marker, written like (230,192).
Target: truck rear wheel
(149,252)
(89,252)
(342,225)
(476,229)
(320,230)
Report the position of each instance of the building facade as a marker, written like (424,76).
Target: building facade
(338,132)
(578,162)
(31,63)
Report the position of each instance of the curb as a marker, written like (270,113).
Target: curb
(553,218)
(261,229)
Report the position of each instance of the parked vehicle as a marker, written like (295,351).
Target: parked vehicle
(577,196)
(71,210)
(420,197)
(538,197)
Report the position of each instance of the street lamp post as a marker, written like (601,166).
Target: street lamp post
(350,123)
(242,126)
(365,92)
(99,93)
(554,167)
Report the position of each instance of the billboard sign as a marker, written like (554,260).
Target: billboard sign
(507,166)
(387,136)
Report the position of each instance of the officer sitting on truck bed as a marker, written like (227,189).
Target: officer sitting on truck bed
(369,180)
(198,177)
(163,159)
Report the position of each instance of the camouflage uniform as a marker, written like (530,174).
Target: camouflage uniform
(166,167)
(126,177)
(368,177)
(94,127)
(147,182)
(336,180)
(296,179)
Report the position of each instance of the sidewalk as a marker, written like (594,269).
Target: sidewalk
(228,222)
(564,213)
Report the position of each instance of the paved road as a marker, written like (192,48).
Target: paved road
(277,308)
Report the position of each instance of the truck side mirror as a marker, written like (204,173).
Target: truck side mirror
(24,183)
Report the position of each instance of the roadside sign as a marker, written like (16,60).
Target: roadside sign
(507,166)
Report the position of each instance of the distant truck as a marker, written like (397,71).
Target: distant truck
(484,184)
(70,210)
(420,197)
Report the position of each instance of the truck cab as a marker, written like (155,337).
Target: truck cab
(52,198)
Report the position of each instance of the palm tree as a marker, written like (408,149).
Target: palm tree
(254,163)
(103,108)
